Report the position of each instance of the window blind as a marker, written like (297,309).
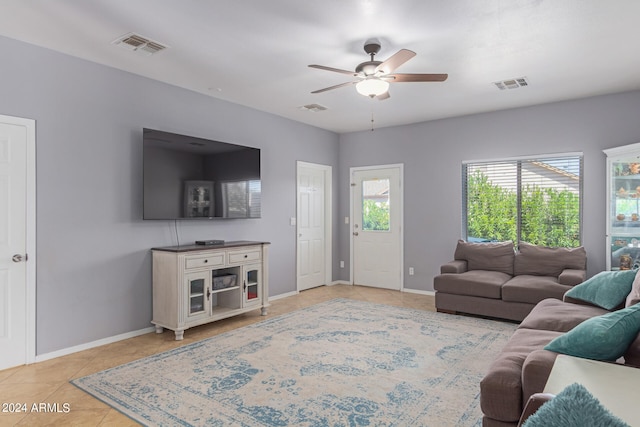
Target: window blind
(537,200)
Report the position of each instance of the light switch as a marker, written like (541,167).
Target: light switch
(346,220)
(292,220)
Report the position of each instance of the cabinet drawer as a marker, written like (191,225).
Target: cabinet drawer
(204,261)
(236,257)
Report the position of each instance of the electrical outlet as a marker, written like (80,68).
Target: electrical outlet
(411,271)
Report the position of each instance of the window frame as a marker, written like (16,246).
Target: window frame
(519,160)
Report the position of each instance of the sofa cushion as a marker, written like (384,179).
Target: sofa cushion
(492,256)
(501,388)
(605,337)
(634,295)
(533,289)
(544,261)
(554,315)
(607,289)
(573,406)
(479,283)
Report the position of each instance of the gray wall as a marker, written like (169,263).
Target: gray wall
(432,153)
(93,259)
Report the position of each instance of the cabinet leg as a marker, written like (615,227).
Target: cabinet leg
(263,311)
(159,329)
(179,335)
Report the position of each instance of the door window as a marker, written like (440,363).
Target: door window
(375,205)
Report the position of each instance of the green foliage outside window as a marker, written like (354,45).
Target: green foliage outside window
(375,216)
(549,217)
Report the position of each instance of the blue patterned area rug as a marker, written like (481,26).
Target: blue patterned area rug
(339,363)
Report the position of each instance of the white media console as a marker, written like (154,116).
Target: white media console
(198,284)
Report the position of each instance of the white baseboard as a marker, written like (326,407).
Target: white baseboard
(417,291)
(285,295)
(290,294)
(87,346)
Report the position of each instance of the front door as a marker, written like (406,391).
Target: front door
(377,226)
(16,214)
(313,243)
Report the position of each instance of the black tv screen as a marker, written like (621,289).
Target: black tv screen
(185,177)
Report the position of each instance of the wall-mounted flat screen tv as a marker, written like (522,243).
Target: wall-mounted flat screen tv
(185,177)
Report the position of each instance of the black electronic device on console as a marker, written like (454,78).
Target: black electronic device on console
(209,242)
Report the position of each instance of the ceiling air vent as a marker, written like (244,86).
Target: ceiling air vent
(512,83)
(314,108)
(139,44)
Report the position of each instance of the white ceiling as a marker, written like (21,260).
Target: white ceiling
(256,52)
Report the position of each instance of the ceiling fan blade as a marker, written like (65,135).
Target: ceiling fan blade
(335,70)
(396,60)
(399,78)
(334,87)
(383,96)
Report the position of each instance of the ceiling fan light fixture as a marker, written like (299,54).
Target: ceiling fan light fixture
(372,87)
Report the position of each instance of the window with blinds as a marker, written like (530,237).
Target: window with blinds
(536,200)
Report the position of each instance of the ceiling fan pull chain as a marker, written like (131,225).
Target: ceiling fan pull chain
(371,118)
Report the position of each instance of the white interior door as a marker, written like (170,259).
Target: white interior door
(377,226)
(313,241)
(16,214)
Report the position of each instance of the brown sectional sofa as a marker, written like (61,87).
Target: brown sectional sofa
(523,366)
(492,279)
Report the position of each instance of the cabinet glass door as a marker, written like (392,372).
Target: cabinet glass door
(625,252)
(624,214)
(196,294)
(252,285)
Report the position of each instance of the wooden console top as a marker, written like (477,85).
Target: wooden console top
(189,248)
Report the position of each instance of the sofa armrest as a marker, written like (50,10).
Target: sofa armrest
(535,372)
(572,277)
(456,266)
(533,404)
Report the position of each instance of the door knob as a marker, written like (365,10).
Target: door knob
(17,258)
(355,233)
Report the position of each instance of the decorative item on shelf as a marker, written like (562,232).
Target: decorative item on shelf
(634,168)
(634,217)
(223,282)
(625,262)
(620,243)
(618,169)
(620,217)
(622,192)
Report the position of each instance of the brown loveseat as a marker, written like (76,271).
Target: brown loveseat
(523,366)
(492,279)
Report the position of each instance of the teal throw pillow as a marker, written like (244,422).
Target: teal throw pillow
(604,337)
(573,407)
(607,289)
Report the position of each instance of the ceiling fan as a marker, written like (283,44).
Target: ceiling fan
(374,76)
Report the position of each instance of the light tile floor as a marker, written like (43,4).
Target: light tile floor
(48,382)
